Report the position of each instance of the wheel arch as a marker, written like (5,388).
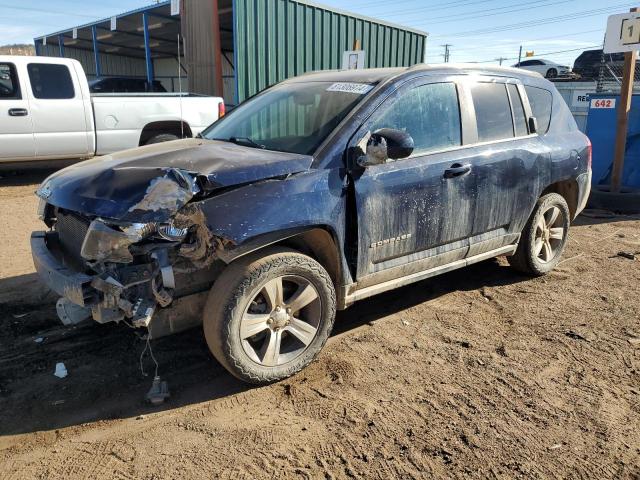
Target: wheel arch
(569,190)
(174,127)
(318,241)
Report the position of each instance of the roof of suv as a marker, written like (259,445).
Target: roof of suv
(377,75)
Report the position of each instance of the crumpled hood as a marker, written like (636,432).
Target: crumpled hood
(152,183)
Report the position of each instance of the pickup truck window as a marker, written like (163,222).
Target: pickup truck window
(50,81)
(429,113)
(540,101)
(493,112)
(519,117)
(293,117)
(9,85)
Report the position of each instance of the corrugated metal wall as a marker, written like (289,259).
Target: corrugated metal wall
(117,65)
(278,39)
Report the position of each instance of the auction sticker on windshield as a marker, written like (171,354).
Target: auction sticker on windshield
(359,88)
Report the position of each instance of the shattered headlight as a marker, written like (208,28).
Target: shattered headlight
(171,232)
(139,231)
(168,231)
(103,243)
(111,243)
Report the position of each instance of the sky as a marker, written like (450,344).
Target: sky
(478,30)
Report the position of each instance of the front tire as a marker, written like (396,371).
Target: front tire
(552,73)
(544,238)
(268,315)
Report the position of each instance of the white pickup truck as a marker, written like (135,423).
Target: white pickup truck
(47,113)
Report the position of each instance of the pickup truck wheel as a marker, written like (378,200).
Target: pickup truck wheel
(268,315)
(544,237)
(162,137)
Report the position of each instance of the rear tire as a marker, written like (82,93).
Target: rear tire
(162,137)
(544,237)
(268,315)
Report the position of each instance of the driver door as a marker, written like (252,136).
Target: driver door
(415,213)
(16,126)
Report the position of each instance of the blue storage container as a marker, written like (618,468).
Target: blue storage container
(601,130)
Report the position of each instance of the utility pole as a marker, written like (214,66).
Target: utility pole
(626,93)
(447,52)
(501,59)
(520,55)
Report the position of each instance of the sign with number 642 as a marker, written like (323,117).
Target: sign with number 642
(603,103)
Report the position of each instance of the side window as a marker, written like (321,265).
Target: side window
(9,85)
(540,101)
(429,113)
(519,117)
(493,112)
(50,81)
(526,63)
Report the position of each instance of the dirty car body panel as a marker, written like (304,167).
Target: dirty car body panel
(134,231)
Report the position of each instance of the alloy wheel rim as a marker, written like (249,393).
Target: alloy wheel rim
(281,321)
(549,234)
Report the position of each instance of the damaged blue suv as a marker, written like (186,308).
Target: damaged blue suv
(320,191)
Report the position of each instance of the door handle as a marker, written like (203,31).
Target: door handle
(18,112)
(457,170)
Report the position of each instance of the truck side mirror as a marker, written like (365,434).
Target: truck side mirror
(533,125)
(385,144)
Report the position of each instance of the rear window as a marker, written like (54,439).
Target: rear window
(541,101)
(49,81)
(9,86)
(493,112)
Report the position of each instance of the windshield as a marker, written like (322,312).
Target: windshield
(292,117)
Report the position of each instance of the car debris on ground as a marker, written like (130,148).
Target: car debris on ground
(61,370)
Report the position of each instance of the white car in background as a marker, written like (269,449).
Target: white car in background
(47,113)
(546,68)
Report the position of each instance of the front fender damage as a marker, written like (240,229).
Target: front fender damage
(137,265)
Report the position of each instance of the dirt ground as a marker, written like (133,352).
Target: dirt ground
(477,373)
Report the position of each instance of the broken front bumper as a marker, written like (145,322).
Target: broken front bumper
(97,296)
(65,282)
(135,294)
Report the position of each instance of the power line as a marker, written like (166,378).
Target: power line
(434,8)
(472,14)
(541,21)
(543,54)
(455,18)
(431,8)
(532,40)
(41,10)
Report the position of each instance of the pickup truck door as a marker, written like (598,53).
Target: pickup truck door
(16,128)
(58,111)
(416,213)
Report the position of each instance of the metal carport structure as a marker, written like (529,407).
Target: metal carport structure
(131,44)
(231,48)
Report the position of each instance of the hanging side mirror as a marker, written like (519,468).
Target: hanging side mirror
(385,144)
(533,125)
